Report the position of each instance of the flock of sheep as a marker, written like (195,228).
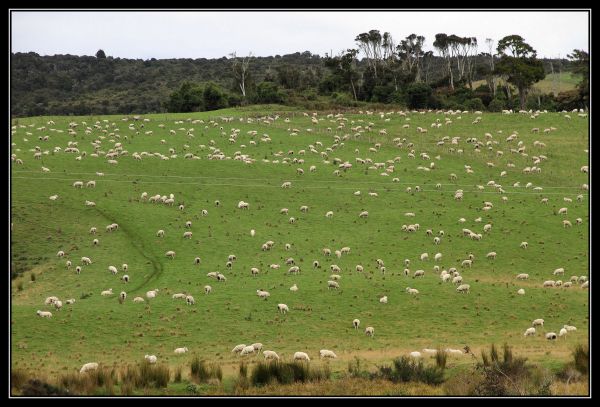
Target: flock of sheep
(107,141)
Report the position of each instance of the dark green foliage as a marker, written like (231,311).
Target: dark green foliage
(418,95)
(441,356)
(100,54)
(268,92)
(213,97)
(581,359)
(474,104)
(506,376)
(188,98)
(497,105)
(32,276)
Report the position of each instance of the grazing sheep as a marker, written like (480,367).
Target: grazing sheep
(524,245)
(301,356)
(491,255)
(521,291)
(419,273)
(294,288)
(88,366)
(151,294)
(179,351)
(566,223)
(238,348)
(170,254)
(44,314)
(537,322)
(415,354)
(187,235)
(363,214)
(585,285)
(207,289)
(569,328)
(551,336)
(522,276)
(78,269)
(463,288)
(160,233)
(138,299)
(282,308)
(106,292)
(412,291)
(332,284)
(221,277)
(263,294)
(549,283)
(559,271)
(356,323)
(189,300)
(467,262)
(179,295)
(316,264)
(269,354)
(150,358)
(329,214)
(562,332)
(324,353)
(370,331)
(529,332)
(247,350)
(113,269)
(93,231)
(562,211)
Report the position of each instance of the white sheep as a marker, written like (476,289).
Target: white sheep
(106,293)
(247,350)
(524,245)
(537,322)
(294,288)
(551,336)
(522,276)
(324,353)
(370,331)
(88,366)
(356,323)
(329,214)
(263,294)
(562,211)
(521,291)
(207,289)
(283,308)
(562,332)
(463,288)
(170,254)
(113,269)
(150,358)
(384,299)
(179,296)
(238,348)
(415,354)
(151,294)
(179,351)
(269,354)
(86,260)
(189,300)
(549,283)
(363,214)
(412,291)
(138,299)
(529,332)
(332,284)
(44,314)
(301,356)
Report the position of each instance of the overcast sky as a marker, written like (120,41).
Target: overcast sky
(210,34)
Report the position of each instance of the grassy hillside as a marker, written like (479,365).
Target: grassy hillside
(552,83)
(97,328)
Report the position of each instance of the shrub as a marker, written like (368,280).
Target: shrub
(418,95)
(36,387)
(441,357)
(146,375)
(286,373)
(475,104)
(32,276)
(18,377)
(497,105)
(202,373)
(581,359)
(409,370)
(508,376)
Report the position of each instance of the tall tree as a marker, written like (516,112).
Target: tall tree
(100,54)
(521,67)
(344,67)
(492,79)
(442,45)
(240,70)
(581,65)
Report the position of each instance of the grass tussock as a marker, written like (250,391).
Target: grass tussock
(100,381)
(407,369)
(18,377)
(441,357)
(287,372)
(201,372)
(145,375)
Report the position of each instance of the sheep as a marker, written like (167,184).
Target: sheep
(412,291)
(282,308)
(269,354)
(106,293)
(356,323)
(247,350)
(524,245)
(551,336)
(537,322)
(491,255)
(60,253)
(122,296)
(419,273)
(90,184)
(324,353)
(78,184)
(179,295)
(86,260)
(585,285)
(286,184)
(189,300)
(383,300)
(559,271)
(562,332)
(467,263)
(463,288)
(138,299)
(263,294)
(170,254)
(370,331)
(179,351)
(457,280)
(522,276)
(238,348)
(529,332)
(207,289)
(294,288)
(301,356)
(93,231)
(316,264)
(44,314)
(329,214)
(113,269)
(415,354)
(78,269)
(549,283)
(151,294)
(160,233)
(88,366)
(424,256)
(197,260)
(566,223)
(332,284)
(363,214)
(562,211)
(569,328)
(221,277)
(150,358)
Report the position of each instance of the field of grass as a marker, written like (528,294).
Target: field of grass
(552,83)
(100,329)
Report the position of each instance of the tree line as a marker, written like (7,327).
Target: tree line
(379,70)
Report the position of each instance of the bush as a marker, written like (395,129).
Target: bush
(286,373)
(508,376)
(581,359)
(146,375)
(18,377)
(441,356)
(497,105)
(418,95)
(474,104)
(35,387)
(268,92)
(32,276)
(409,370)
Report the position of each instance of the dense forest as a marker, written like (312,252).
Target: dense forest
(379,70)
